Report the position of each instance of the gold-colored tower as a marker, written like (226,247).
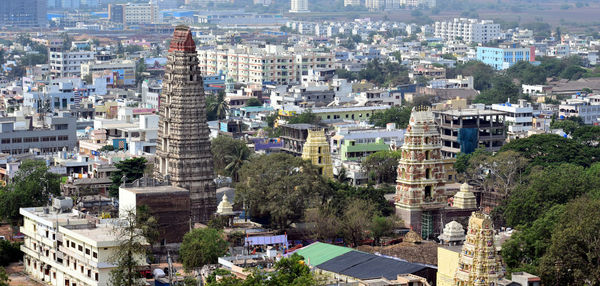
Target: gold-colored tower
(317,151)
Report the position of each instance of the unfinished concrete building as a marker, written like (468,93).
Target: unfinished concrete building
(183,149)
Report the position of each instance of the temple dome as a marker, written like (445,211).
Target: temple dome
(465,199)
(453,232)
(225,207)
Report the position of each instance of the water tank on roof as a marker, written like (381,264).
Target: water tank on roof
(62,204)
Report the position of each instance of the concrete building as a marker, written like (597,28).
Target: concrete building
(519,117)
(183,154)
(294,136)
(68,63)
(123,71)
(504,57)
(23,13)
(19,136)
(466,129)
(355,3)
(469,30)
(271,64)
(355,113)
(64,247)
(587,110)
(350,150)
(134,14)
(116,13)
(299,6)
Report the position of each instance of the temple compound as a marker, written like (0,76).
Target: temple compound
(421,199)
(317,151)
(183,149)
(479,263)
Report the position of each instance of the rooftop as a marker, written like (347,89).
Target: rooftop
(470,112)
(154,189)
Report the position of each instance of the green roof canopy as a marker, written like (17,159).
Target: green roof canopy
(319,252)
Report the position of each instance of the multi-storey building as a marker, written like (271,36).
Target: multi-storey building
(418,3)
(116,13)
(271,64)
(23,13)
(466,129)
(141,14)
(519,117)
(20,136)
(64,247)
(351,3)
(504,57)
(587,109)
(123,71)
(299,6)
(469,30)
(68,63)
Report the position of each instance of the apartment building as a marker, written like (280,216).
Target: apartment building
(23,13)
(519,117)
(64,247)
(271,64)
(587,109)
(133,14)
(351,3)
(299,6)
(20,136)
(68,63)
(469,30)
(505,56)
(123,71)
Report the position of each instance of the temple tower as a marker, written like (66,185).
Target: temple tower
(479,263)
(316,150)
(420,190)
(183,149)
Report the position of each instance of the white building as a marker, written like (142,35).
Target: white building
(587,109)
(64,247)
(141,14)
(351,3)
(271,64)
(519,117)
(68,63)
(299,6)
(124,68)
(470,30)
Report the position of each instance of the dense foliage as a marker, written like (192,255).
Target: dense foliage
(202,246)
(395,114)
(229,155)
(132,169)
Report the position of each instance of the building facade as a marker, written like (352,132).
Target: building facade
(299,6)
(68,63)
(504,57)
(17,137)
(123,71)
(519,117)
(317,151)
(183,153)
(23,13)
(469,30)
(141,14)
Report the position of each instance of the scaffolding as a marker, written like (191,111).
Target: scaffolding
(426,225)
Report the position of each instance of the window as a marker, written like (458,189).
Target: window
(95,254)
(80,248)
(427,173)
(87,251)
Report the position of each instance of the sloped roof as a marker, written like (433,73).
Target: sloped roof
(319,252)
(363,266)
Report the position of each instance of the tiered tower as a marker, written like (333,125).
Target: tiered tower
(479,263)
(183,149)
(316,150)
(420,191)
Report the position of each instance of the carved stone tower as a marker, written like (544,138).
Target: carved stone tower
(183,149)
(420,190)
(479,263)
(317,151)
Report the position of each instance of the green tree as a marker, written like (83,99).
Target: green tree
(568,125)
(482,73)
(131,251)
(132,169)
(148,224)
(10,252)
(587,135)
(253,102)
(229,155)
(4,281)
(277,188)
(398,115)
(32,186)
(356,221)
(548,149)
(202,246)
(383,165)
(573,257)
(106,148)
(217,106)
(307,117)
(140,69)
(382,226)
(501,91)
(546,188)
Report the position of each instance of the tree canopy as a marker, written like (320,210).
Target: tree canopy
(229,155)
(202,246)
(395,114)
(132,169)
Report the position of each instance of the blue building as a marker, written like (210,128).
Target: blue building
(504,57)
(214,82)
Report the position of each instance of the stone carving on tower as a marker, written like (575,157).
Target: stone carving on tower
(316,150)
(479,263)
(183,149)
(420,189)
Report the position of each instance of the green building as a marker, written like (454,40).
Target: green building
(352,151)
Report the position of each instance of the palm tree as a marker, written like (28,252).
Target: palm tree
(217,105)
(234,161)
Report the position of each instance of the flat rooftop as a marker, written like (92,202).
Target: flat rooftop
(155,189)
(470,112)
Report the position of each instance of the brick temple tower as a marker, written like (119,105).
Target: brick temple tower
(317,151)
(479,263)
(183,149)
(420,190)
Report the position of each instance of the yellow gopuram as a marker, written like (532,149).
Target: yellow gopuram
(317,151)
